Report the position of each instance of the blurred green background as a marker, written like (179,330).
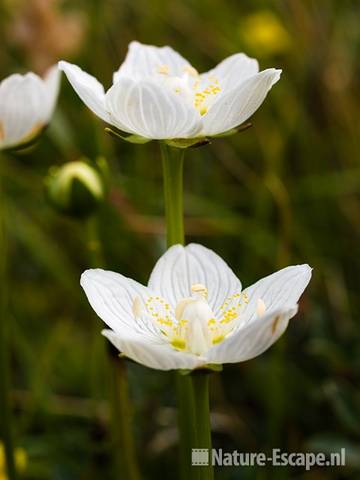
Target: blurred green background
(285,191)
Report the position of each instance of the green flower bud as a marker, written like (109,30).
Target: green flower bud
(75,188)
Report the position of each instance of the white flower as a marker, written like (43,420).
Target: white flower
(193,311)
(157,94)
(27,103)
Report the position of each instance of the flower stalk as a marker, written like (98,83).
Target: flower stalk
(186,423)
(5,407)
(173,162)
(200,384)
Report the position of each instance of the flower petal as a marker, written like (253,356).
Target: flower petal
(237,105)
(233,70)
(146,61)
(153,354)
(112,297)
(88,88)
(253,339)
(52,87)
(22,108)
(150,110)
(277,291)
(181,267)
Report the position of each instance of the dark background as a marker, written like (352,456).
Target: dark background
(286,191)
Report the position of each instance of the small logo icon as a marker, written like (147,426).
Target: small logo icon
(199,457)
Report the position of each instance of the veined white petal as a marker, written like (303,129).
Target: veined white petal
(150,110)
(181,267)
(147,60)
(52,86)
(112,296)
(233,70)
(234,107)
(277,290)
(88,88)
(22,105)
(152,353)
(253,339)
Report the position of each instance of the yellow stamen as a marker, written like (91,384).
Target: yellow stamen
(165,321)
(201,96)
(178,343)
(218,339)
(229,316)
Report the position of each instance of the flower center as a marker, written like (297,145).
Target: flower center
(196,328)
(192,315)
(193,327)
(197,90)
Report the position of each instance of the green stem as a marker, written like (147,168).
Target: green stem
(200,383)
(173,161)
(124,458)
(5,407)
(186,425)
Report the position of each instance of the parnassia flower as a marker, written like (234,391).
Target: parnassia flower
(157,94)
(194,312)
(27,103)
